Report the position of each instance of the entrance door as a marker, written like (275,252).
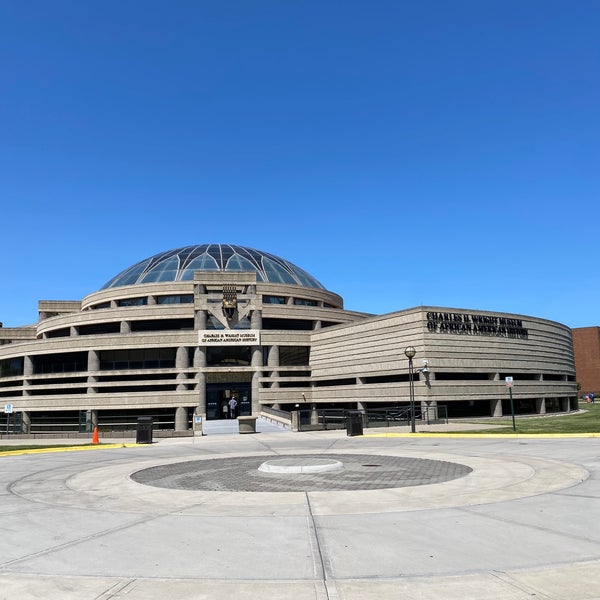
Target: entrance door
(218,396)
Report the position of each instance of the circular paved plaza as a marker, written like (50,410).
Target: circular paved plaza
(414,517)
(243,474)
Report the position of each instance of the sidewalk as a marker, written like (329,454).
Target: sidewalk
(524,521)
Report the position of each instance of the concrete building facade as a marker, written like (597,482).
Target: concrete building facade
(181,333)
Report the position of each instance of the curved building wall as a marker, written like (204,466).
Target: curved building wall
(143,347)
(469,354)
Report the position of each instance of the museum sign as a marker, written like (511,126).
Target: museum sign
(476,324)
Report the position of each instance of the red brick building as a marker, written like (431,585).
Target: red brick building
(586,344)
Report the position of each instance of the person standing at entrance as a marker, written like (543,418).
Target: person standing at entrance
(232,408)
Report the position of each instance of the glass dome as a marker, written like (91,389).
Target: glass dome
(179,265)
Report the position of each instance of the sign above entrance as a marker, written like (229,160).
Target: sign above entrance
(229,337)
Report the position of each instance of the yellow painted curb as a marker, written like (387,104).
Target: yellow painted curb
(65,449)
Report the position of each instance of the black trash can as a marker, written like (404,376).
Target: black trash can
(144,430)
(354,422)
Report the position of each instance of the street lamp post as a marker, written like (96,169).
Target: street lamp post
(410,354)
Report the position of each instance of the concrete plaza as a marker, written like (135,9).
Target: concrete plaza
(486,518)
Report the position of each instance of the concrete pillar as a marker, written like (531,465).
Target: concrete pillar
(295,420)
(26,422)
(181,421)
(182,361)
(93,362)
(429,410)
(256,362)
(496,407)
(201,408)
(151,300)
(73,331)
(273,357)
(200,320)
(182,358)
(94,416)
(564,404)
(125,327)
(256,319)
(199,357)
(540,406)
(93,365)
(27,366)
(273,361)
(27,372)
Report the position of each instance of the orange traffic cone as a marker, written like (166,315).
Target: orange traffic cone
(95,439)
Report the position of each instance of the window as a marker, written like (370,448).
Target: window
(11,367)
(304,302)
(132,301)
(235,356)
(287,324)
(175,299)
(293,356)
(66,362)
(274,300)
(100,306)
(142,358)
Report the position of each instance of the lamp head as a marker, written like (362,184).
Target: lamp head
(410,352)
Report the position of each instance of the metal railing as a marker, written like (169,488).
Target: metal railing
(336,418)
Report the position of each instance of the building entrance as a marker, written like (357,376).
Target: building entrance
(219,395)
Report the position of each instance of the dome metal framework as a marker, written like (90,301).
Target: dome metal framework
(179,264)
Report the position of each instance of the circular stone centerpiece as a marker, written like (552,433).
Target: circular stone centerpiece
(301,465)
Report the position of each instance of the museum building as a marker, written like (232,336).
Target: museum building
(179,334)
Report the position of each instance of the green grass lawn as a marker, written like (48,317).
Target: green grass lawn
(584,422)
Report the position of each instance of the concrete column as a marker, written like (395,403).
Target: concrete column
(496,407)
(429,410)
(182,358)
(314,415)
(93,360)
(201,408)
(256,319)
(295,420)
(182,361)
(200,320)
(26,422)
(27,366)
(565,404)
(273,356)
(256,362)
(93,365)
(73,331)
(200,357)
(317,325)
(181,422)
(94,415)
(151,300)
(540,406)
(125,327)
(273,361)
(27,372)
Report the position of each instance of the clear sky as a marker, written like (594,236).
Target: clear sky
(441,153)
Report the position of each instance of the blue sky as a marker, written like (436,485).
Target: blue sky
(404,153)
